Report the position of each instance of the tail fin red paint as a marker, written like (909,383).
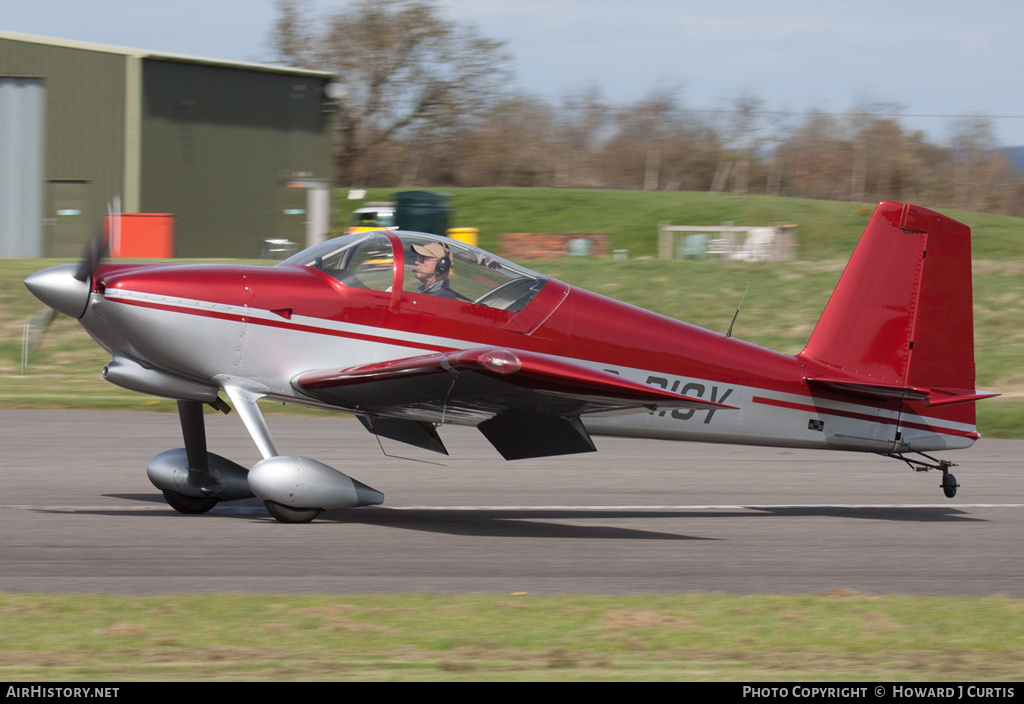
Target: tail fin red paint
(901,318)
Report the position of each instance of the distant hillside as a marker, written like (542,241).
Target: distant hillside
(1016,156)
(826,229)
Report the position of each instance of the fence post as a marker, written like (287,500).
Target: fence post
(664,240)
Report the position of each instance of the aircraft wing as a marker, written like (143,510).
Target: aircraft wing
(526,404)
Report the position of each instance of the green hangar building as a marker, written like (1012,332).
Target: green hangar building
(218,158)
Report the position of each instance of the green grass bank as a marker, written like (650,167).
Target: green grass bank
(839,636)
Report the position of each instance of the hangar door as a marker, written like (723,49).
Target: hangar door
(22,104)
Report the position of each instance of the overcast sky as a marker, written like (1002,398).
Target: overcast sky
(931,57)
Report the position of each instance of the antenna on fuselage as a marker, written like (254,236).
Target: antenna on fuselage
(737,313)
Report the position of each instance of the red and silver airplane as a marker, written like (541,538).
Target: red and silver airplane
(410,332)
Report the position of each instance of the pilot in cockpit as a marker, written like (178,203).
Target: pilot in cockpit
(432,267)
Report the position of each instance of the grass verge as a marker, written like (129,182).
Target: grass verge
(841,636)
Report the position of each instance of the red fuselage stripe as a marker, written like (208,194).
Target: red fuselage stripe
(249,320)
(863,416)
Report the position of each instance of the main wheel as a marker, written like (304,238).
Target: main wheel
(287,514)
(192,505)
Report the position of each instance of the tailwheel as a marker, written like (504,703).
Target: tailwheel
(949,485)
(191,505)
(288,514)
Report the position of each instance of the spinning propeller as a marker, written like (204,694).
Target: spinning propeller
(98,246)
(65,288)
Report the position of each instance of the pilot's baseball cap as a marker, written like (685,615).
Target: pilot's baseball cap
(434,250)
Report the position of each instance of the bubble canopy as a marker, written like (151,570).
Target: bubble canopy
(367,260)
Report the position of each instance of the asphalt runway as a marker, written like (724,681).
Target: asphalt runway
(77,514)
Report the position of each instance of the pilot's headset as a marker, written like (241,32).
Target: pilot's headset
(444,264)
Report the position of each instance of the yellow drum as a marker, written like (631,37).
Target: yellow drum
(469,235)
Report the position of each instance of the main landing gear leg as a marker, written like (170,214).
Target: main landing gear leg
(948,485)
(286,509)
(193,480)
(193,430)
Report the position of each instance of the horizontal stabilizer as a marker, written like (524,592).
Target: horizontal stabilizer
(930,397)
(948,400)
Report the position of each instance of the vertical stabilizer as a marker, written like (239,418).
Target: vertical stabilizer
(902,313)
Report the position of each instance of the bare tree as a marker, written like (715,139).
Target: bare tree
(980,171)
(819,157)
(424,99)
(743,125)
(515,144)
(880,151)
(582,120)
(633,154)
(400,67)
(289,40)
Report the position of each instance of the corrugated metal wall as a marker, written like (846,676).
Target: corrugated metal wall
(22,116)
(84,134)
(214,144)
(219,145)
